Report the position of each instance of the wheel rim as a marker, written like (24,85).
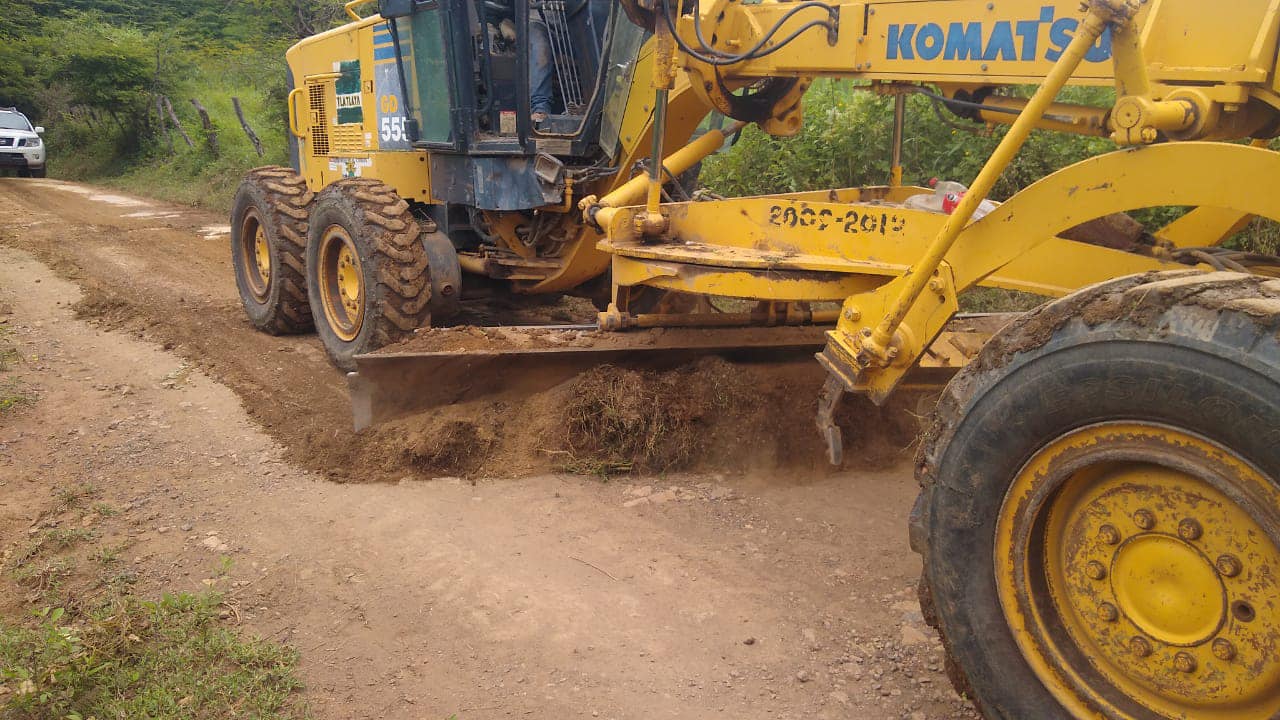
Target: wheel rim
(341,283)
(255,255)
(1136,566)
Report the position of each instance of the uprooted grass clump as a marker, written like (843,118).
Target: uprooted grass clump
(456,446)
(647,420)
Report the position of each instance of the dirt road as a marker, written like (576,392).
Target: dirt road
(744,595)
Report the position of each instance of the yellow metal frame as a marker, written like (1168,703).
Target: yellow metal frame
(914,264)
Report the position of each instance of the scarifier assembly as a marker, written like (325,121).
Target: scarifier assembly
(1100,513)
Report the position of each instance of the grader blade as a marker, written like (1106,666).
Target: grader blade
(521,361)
(459,365)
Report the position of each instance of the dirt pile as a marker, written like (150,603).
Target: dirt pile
(717,414)
(711,414)
(708,414)
(647,420)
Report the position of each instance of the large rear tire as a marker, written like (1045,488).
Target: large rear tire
(367,270)
(1100,506)
(268,244)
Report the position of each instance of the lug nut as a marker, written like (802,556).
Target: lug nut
(1223,649)
(1184,662)
(1189,529)
(1095,570)
(1144,519)
(1228,565)
(1108,612)
(1139,646)
(1109,534)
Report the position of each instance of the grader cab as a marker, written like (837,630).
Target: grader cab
(1100,507)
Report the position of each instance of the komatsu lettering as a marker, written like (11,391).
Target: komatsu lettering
(1008,40)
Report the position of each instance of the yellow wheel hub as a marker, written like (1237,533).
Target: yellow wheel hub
(262,254)
(1168,589)
(1137,566)
(256,255)
(341,283)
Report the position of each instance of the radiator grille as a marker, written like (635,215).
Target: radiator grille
(319,119)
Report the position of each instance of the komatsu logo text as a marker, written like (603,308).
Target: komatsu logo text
(1043,38)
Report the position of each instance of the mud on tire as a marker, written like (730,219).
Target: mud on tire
(1192,353)
(272,200)
(367,270)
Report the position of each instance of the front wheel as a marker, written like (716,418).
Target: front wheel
(367,270)
(1100,514)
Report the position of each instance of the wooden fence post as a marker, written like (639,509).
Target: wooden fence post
(168,136)
(176,123)
(253,137)
(210,134)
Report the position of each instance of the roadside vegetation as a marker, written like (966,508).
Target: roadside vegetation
(77,641)
(845,142)
(92,71)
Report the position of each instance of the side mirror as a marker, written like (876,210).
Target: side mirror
(39,129)
(390,9)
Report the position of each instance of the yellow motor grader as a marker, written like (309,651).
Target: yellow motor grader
(1100,508)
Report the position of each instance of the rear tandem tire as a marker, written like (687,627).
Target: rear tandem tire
(268,242)
(1139,413)
(367,270)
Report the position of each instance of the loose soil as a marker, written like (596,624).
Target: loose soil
(754,583)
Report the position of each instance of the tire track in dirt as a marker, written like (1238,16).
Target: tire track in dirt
(161,279)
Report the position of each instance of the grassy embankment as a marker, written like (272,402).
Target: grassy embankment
(189,175)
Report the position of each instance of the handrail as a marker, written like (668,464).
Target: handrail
(348,8)
(293,120)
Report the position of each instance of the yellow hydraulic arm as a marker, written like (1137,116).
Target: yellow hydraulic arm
(1186,79)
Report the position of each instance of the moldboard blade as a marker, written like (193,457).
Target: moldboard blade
(521,361)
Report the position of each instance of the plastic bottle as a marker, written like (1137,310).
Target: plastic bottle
(945,197)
